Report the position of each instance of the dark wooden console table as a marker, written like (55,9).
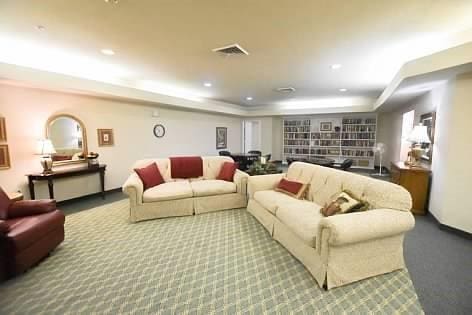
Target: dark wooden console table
(70,172)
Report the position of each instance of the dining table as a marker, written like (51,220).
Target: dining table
(245,159)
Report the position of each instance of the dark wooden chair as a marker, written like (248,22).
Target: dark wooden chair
(224,153)
(255,152)
(345,165)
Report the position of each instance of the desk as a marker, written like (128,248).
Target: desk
(65,173)
(416,181)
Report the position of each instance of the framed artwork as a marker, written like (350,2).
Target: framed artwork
(105,137)
(325,126)
(4,157)
(428,120)
(221,137)
(3,130)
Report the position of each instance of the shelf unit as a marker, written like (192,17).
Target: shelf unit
(349,137)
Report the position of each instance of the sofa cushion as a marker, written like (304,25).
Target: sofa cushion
(211,187)
(227,171)
(302,218)
(150,176)
(168,191)
(272,200)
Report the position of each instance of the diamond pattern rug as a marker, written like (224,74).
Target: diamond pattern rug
(218,263)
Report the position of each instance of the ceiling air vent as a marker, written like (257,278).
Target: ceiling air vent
(231,50)
(285,89)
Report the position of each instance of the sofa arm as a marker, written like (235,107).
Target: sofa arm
(263,182)
(25,208)
(362,226)
(4,228)
(134,188)
(240,179)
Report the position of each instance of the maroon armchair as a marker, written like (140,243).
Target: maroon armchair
(29,231)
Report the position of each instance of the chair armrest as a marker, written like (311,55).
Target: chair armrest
(25,208)
(240,179)
(362,226)
(4,228)
(134,188)
(263,182)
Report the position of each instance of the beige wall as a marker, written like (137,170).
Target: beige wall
(390,124)
(451,177)
(26,111)
(452,174)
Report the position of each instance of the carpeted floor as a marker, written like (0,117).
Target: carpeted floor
(222,262)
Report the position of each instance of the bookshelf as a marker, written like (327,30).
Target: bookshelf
(338,138)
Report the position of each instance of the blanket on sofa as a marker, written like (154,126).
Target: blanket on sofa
(186,166)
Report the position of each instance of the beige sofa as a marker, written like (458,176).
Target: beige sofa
(343,248)
(179,197)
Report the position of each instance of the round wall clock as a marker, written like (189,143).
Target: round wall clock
(159,131)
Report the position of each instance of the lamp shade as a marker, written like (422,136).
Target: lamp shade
(419,134)
(45,147)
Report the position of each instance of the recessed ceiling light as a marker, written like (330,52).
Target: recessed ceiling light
(40,28)
(336,66)
(108,52)
(207,84)
(342,90)
(249,98)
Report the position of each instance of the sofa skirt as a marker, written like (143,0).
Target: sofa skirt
(219,202)
(262,215)
(161,209)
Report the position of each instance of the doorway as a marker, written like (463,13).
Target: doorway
(251,135)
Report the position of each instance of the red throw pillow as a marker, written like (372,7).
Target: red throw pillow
(150,175)
(227,171)
(186,166)
(292,188)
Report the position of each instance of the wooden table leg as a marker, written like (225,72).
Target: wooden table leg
(102,183)
(51,188)
(31,188)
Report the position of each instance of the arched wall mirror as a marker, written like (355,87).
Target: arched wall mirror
(68,137)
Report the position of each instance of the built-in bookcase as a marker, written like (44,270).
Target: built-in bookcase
(338,138)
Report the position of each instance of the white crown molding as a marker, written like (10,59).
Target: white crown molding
(433,67)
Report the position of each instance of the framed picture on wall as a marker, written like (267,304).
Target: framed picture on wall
(3,130)
(4,157)
(221,138)
(105,137)
(325,126)
(428,120)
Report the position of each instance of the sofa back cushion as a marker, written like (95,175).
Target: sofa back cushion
(327,182)
(212,165)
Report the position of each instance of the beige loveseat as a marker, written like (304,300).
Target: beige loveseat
(179,197)
(339,249)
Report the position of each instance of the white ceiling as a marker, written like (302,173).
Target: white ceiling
(165,46)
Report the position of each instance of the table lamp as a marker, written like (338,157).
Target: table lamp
(45,148)
(417,137)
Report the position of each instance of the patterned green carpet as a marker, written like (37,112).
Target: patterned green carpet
(217,263)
